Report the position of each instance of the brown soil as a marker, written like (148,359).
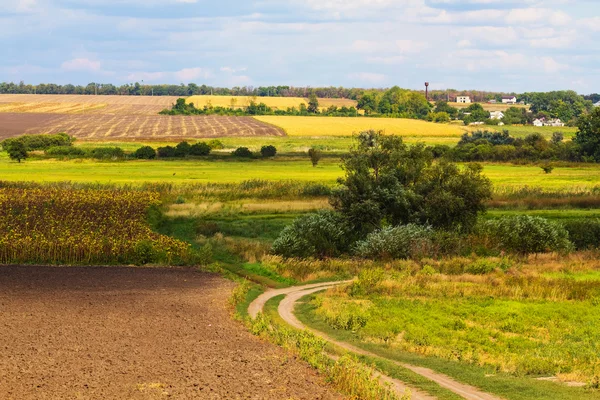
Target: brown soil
(129,333)
(101,127)
(12,124)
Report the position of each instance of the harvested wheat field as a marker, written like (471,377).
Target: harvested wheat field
(135,333)
(134,127)
(279,103)
(84,104)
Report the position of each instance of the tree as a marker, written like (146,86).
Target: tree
(389,183)
(313,104)
(268,151)
(243,152)
(588,135)
(369,102)
(182,149)
(145,153)
(200,149)
(315,155)
(17,151)
(443,106)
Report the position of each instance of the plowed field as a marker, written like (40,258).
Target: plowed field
(134,127)
(135,333)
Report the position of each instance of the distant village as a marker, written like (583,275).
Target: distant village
(511,100)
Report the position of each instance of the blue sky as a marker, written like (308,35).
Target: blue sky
(506,45)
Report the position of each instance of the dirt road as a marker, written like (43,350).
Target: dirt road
(286,311)
(133,333)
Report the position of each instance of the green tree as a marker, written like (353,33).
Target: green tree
(17,151)
(443,106)
(145,153)
(588,135)
(315,155)
(389,183)
(313,104)
(268,151)
(368,102)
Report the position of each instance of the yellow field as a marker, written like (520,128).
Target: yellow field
(84,104)
(280,103)
(346,126)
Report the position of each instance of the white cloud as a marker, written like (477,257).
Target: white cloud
(81,64)
(552,66)
(232,70)
(368,77)
(189,74)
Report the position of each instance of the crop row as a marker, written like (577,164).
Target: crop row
(59,226)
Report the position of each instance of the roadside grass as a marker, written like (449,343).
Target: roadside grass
(487,379)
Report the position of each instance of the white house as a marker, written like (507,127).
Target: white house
(463,99)
(597,104)
(496,115)
(550,122)
(554,122)
(509,100)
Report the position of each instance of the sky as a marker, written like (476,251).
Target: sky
(500,45)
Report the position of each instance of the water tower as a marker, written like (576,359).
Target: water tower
(427,90)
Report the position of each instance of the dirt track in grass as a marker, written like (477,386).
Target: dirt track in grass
(116,333)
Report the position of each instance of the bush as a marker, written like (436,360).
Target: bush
(145,153)
(321,234)
(64,151)
(107,153)
(242,152)
(182,149)
(268,151)
(584,234)
(40,142)
(216,144)
(526,234)
(315,156)
(167,152)
(200,149)
(404,241)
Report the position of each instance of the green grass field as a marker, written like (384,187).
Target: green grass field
(283,168)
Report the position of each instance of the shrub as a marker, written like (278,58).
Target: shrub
(216,144)
(107,153)
(167,152)
(182,149)
(526,234)
(315,156)
(242,152)
(144,252)
(321,234)
(584,234)
(64,151)
(145,153)
(200,149)
(404,241)
(547,168)
(268,151)
(40,142)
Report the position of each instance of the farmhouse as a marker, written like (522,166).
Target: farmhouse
(496,115)
(463,99)
(509,100)
(550,122)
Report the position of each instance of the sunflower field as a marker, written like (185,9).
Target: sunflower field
(84,227)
